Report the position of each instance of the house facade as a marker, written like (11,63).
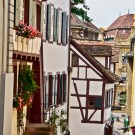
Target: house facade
(55,55)
(6,75)
(120,32)
(91,89)
(50,65)
(130,85)
(83,30)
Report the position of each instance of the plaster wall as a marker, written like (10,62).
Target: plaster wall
(83,128)
(95,88)
(107,113)
(55,57)
(101,60)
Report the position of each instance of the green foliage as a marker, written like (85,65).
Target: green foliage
(58,120)
(80,11)
(123,98)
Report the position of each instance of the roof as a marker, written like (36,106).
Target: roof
(125,21)
(75,21)
(106,72)
(96,48)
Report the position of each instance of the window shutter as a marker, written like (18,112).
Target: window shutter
(61,89)
(32,13)
(55,25)
(64,23)
(98,102)
(67,29)
(50,19)
(19,11)
(43,19)
(59,27)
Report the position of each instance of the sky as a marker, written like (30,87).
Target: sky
(105,12)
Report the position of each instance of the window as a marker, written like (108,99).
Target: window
(26,12)
(38,17)
(94,102)
(91,102)
(108,98)
(75,60)
(86,33)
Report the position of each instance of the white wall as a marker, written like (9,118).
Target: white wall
(78,128)
(101,60)
(112,67)
(55,56)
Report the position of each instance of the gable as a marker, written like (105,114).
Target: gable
(92,62)
(86,69)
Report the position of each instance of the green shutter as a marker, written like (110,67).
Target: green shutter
(98,102)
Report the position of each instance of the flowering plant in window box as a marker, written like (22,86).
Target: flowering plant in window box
(27,31)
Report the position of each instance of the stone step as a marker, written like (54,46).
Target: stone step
(40,129)
(39,133)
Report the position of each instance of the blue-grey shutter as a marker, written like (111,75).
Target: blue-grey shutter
(48,21)
(67,30)
(98,102)
(59,27)
(64,25)
(55,26)
(61,89)
(43,19)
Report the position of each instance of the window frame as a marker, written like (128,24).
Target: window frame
(77,62)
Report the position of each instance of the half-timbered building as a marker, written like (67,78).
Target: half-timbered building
(91,89)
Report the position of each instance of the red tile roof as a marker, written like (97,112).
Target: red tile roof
(125,21)
(75,21)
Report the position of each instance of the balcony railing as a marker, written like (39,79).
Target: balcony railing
(26,45)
